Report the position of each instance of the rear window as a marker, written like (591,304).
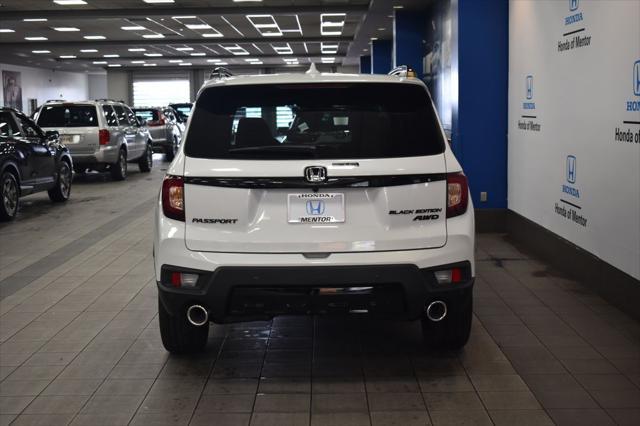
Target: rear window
(147,114)
(68,116)
(324,121)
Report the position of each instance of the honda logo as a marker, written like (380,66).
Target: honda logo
(636,78)
(315,207)
(573,5)
(529,87)
(315,174)
(571,169)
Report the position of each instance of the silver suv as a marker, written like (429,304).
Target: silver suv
(101,135)
(165,129)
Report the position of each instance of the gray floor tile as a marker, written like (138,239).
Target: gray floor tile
(161,419)
(397,401)
(285,385)
(625,416)
(337,385)
(520,418)
(280,419)
(22,387)
(282,403)
(56,405)
(580,417)
(400,418)
(76,387)
(445,401)
(342,419)
(510,400)
(226,403)
(339,403)
(446,384)
(220,419)
(460,417)
(43,420)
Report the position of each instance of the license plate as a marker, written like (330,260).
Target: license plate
(69,139)
(315,208)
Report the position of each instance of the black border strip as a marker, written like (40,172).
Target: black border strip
(300,182)
(573,32)
(571,204)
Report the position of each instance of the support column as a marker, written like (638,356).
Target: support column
(381,56)
(365,64)
(409,27)
(480,127)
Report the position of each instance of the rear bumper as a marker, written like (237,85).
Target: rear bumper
(105,155)
(231,294)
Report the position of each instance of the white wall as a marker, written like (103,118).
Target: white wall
(119,86)
(98,86)
(571,174)
(43,84)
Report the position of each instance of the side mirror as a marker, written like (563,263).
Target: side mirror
(52,135)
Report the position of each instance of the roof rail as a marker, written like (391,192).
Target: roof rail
(403,71)
(220,72)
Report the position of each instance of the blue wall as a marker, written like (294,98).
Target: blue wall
(381,56)
(480,128)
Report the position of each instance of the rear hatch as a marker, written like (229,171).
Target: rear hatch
(77,124)
(154,121)
(340,167)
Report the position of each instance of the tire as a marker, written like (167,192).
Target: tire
(178,335)
(61,192)
(172,150)
(452,332)
(9,196)
(119,168)
(146,161)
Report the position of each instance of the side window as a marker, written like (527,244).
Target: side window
(28,128)
(122,115)
(131,117)
(7,126)
(110,115)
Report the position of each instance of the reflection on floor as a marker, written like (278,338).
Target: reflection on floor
(80,343)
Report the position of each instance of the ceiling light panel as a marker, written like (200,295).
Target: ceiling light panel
(284,49)
(7,30)
(88,50)
(158,1)
(68,56)
(70,2)
(35,38)
(153,36)
(94,37)
(332,24)
(269,26)
(329,48)
(66,29)
(235,49)
(35,20)
(137,49)
(133,28)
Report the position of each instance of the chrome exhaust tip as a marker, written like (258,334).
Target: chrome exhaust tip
(436,311)
(197,315)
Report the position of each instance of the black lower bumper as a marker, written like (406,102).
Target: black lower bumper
(253,293)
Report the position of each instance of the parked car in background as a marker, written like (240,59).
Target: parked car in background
(31,160)
(101,135)
(164,129)
(183,109)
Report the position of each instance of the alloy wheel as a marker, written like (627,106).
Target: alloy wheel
(10,195)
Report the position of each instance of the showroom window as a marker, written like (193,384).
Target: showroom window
(160,92)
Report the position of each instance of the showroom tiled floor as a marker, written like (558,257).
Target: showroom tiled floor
(79,341)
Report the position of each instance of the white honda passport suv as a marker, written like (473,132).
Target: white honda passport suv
(314,194)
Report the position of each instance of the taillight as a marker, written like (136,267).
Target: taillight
(103,137)
(173,197)
(183,279)
(457,194)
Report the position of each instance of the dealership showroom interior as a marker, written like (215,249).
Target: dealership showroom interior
(320,212)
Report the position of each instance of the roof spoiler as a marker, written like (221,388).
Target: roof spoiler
(403,71)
